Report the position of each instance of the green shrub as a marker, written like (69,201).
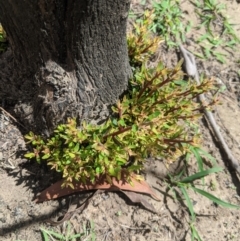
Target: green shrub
(155,117)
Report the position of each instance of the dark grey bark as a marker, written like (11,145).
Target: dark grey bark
(68,58)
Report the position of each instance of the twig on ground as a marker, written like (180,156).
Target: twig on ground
(191,70)
(128,227)
(12,118)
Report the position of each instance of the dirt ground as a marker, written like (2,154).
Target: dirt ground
(112,214)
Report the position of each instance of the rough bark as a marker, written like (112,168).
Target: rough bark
(69,59)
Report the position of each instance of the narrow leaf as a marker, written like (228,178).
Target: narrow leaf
(195,235)
(189,203)
(45,236)
(215,199)
(46,233)
(29,155)
(207,155)
(201,174)
(135,185)
(195,152)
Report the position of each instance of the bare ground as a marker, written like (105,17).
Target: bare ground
(114,217)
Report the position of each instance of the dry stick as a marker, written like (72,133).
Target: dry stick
(191,70)
(12,118)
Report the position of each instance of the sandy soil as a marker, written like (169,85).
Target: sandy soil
(114,217)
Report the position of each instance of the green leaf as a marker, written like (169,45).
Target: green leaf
(180,82)
(220,57)
(201,174)
(29,136)
(112,171)
(122,122)
(47,233)
(215,199)
(195,235)
(68,162)
(207,155)
(72,155)
(134,128)
(30,155)
(93,236)
(189,203)
(154,115)
(134,168)
(98,170)
(76,148)
(195,151)
(114,121)
(75,236)
(46,156)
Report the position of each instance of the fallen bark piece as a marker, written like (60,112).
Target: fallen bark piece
(56,190)
(135,198)
(138,198)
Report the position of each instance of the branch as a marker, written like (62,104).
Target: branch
(191,70)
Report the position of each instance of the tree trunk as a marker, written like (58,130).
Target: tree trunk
(68,59)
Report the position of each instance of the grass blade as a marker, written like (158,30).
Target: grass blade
(201,174)
(195,235)
(45,235)
(93,236)
(199,159)
(215,199)
(52,233)
(189,203)
(207,155)
(74,236)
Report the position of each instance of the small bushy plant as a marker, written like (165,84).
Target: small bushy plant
(168,22)
(221,35)
(3,39)
(155,117)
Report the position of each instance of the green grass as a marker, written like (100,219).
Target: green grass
(172,24)
(168,22)
(219,32)
(181,184)
(68,233)
(88,234)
